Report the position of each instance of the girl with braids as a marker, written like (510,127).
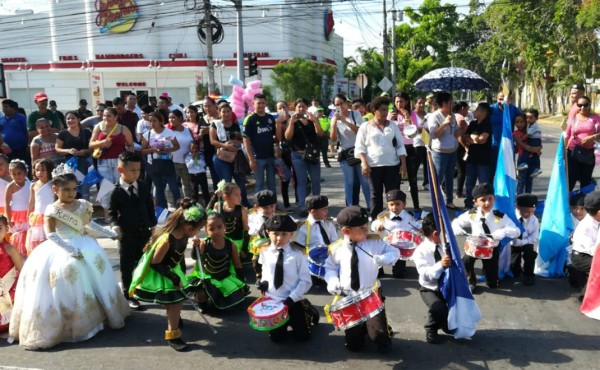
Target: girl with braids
(158,278)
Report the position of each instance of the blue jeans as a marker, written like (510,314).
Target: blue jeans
(475,172)
(264,167)
(303,169)
(445,163)
(160,184)
(225,172)
(353,181)
(525,181)
(107,168)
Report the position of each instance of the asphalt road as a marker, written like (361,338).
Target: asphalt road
(537,327)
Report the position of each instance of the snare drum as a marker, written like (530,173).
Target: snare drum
(480,247)
(354,310)
(316,261)
(405,241)
(257,244)
(410,131)
(267,314)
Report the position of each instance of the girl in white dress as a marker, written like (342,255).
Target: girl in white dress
(17,203)
(40,197)
(67,290)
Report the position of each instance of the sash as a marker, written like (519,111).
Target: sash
(68,218)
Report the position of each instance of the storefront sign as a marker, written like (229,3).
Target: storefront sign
(64,58)
(178,55)
(119,56)
(328,23)
(13,60)
(116,16)
(131,84)
(258,55)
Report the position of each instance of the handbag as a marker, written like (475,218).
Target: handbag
(226,155)
(312,152)
(241,165)
(583,155)
(99,151)
(348,156)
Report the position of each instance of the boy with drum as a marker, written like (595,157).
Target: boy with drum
(431,261)
(524,246)
(395,218)
(266,201)
(351,269)
(316,233)
(285,277)
(486,223)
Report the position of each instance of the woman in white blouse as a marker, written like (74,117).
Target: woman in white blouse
(382,154)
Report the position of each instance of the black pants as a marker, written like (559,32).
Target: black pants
(490,269)
(375,328)
(461,166)
(437,310)
(324,145)
(399,269)
(200,182)
(582,262)
(528,255)
(300,321)
(422,160)
(131,248)
(412,167)
(579,172)
(387,177)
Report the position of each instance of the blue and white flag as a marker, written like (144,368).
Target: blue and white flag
(505,186)
(463,312)
(556,225)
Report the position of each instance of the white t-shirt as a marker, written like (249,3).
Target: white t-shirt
(184,138)
(162,140)
(142,127)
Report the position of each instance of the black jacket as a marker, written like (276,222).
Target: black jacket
(129,213)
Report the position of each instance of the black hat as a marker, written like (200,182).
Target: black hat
(527,200)
(592,200)
(265,198)
(317,202)
(353,216)
(577,200)
(83,102)
(393,195)
(280,222)
(578,87)
(482,189)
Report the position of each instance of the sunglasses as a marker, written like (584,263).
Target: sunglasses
(584,105)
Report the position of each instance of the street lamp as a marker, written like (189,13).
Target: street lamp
(26,67)
(89,67)
(155,65)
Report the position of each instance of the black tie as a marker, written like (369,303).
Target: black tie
(263,232)
(354,277)
(132,192)
(521,221)
(486,228)
(436,254)
(396,218)
(323,233)
(279,270)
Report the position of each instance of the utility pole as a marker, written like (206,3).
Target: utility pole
(385,43)
(209,49)
(394,66)
(240,41)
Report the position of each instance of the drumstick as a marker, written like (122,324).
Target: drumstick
(197,308)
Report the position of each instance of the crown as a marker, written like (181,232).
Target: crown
(62,169)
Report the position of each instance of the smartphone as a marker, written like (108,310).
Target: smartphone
(338,111)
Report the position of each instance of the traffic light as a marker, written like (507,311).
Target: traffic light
(252,65)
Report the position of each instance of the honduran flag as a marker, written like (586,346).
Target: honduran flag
(463,312)
(591,301)
(505,186)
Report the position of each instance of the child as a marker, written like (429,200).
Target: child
(525,245)
(17,203)
(285,277)
(75,291)
(576,279)
(131,212)
(520,136)
(196,166)
(484,221)
(317,231)
(236,218)
(529,143)
(585,237)
(352,267)
(5,179)
(158,277)
(44,144)
(431,260)
(577,210)
(10,263)
(534,140)
(40,197)
(266,202)
(394,219)
(221,277)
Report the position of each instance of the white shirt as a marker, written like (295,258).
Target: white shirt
(586,235)
(142,127)
(255,223)
(429,270)
(377,145)
(164,139)
(126,186)
(531,234)
(338,267)
(421,124)
(346,136)
(446,142)
(500,226)
(184,138)
(316,239)
(296,276)
(389,224)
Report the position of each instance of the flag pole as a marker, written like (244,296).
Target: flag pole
(438,210)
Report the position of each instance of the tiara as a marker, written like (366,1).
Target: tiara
(20,161)
(62,169)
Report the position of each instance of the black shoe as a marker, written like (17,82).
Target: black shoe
(177,344)
(134,304)
(528,280)
(381,273)
(327,165)
(314,315)
(432,337)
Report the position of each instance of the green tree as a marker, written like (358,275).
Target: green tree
(370,62)
(301,78)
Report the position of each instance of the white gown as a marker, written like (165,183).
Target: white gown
(63,299)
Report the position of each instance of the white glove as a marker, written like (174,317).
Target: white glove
(334,288)
(379,260)
(498,235)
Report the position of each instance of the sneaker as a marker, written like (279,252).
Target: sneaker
(522,166)
(536,172)
(432,337)
(177,344)
(134,304)
(451,206)
(425,186)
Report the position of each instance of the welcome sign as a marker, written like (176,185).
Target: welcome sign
(116,16)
